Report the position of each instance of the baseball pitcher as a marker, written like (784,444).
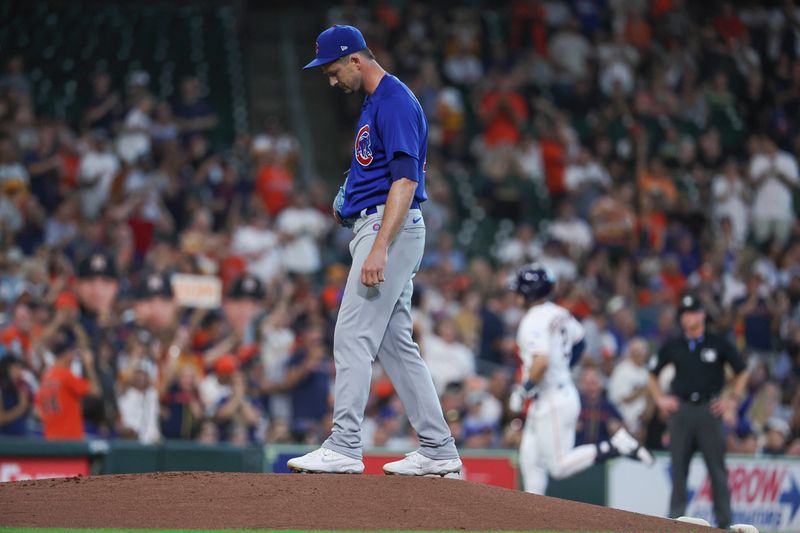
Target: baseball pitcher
(381,200)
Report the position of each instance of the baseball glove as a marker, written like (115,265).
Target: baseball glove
(338,204)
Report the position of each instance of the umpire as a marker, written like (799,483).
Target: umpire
(694,406)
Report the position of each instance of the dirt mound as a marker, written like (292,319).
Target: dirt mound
(191,500)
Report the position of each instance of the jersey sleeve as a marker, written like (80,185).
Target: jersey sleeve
(733,357)
(575,330)
(662,359)
(399,127)
(76,386)
(533,340)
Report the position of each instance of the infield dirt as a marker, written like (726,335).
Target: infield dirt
(195,500)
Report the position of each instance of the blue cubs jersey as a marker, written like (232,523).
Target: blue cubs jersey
(391,122)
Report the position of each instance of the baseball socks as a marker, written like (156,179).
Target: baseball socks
(623,444)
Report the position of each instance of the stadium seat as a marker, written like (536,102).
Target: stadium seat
(69,42)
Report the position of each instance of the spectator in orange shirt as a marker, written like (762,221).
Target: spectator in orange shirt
(61,393)
(554,155)
(655,182)
(638,30)
(503,112)
(274,183)
(613,220)
(653,179)
(651,225)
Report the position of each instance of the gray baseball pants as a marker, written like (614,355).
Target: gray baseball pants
(376,322)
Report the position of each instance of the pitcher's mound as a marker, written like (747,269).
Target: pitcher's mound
(194,500)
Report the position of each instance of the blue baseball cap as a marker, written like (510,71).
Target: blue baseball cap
(335,42)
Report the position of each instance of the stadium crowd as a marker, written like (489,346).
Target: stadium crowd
(639,149)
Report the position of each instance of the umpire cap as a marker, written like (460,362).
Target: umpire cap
(689,302)
(532,281)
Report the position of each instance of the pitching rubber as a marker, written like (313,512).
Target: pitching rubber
(743,528)
(693,520)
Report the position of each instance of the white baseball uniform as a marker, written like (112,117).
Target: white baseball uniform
(548,442)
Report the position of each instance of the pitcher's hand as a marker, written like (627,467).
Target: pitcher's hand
(372,271)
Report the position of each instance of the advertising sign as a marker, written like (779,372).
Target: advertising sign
(25,468)
(765,492)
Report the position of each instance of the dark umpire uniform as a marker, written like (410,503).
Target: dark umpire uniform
(694,405)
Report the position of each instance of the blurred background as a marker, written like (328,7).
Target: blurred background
(167,169)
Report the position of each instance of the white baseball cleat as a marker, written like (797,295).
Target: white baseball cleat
(416,464)
(693,520)
(325,461)
(628,446)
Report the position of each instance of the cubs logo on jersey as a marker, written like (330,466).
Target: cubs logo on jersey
(363,147)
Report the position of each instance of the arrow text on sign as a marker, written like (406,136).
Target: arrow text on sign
(792,497)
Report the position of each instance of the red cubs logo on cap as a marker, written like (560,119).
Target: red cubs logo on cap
(363,146)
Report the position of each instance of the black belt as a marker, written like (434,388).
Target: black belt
(374,209)
(697,397)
